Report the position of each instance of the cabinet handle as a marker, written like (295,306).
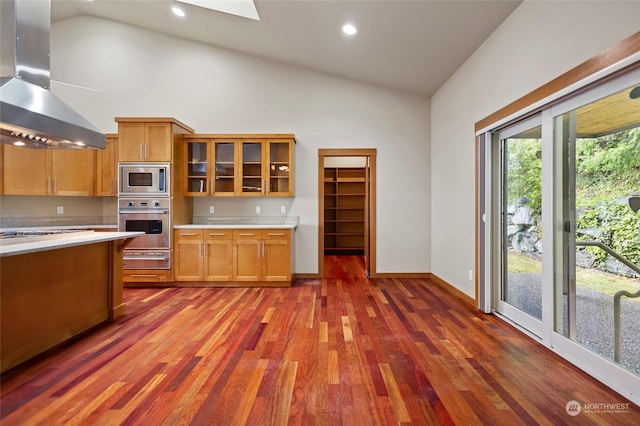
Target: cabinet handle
(216,234)
(276,234)
(205,249)
(187,234)
(263,249)
(48,185)
(141,155)
(55,185)
(246,234)
(259,255)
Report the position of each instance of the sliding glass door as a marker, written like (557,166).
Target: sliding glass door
(559,228)
(598,265)
(519,297)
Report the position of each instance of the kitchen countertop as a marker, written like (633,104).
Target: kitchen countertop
(60,241)
(237,226)
(244,222)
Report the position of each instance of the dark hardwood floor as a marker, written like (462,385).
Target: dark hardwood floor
(342,350)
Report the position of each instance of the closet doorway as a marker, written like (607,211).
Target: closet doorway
(346,202)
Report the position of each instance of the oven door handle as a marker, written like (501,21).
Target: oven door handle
(144,258)
(144,212)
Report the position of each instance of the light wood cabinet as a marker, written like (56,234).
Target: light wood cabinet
(149,142)
(239,165)
(262,255)
(345,195)
(107,168)
(246,256)
(48,172)
(203,255)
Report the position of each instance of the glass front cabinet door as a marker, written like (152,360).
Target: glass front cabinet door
(223,174)
(239,166)
(252,177)
(279,171)
(197,167)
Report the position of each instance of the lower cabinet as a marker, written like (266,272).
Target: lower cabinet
(203,255)
(239,256)
(262,255)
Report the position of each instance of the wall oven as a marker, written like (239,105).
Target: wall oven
(144,179)
(151,216)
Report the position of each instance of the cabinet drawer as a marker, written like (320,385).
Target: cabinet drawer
(188,234)
(217,234)
(276,234)
(146,275)
(246,234)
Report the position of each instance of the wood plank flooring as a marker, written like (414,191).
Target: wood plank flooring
(339,351)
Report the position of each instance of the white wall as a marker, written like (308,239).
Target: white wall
(139,73)
(538,42)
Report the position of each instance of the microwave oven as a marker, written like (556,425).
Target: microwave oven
(145,179)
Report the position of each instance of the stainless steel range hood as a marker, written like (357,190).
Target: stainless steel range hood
(30,115)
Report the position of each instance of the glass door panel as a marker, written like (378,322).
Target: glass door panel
(197,181)
(520,293)
(279,178)
(252,177)
(224,173)
(598,145)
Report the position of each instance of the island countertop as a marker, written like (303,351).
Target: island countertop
(12,247)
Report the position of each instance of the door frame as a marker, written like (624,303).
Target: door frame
(370,154)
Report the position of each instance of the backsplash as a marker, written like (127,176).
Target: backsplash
(237,207)
(19,210)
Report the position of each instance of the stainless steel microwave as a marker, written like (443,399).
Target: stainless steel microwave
(145,179)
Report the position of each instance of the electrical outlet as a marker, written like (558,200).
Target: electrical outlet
(212,209)
(283,209)
(470,275)
(258,209)
(60,209)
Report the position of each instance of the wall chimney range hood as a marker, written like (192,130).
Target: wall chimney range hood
(30,115)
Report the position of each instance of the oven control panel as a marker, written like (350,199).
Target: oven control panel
(143,203)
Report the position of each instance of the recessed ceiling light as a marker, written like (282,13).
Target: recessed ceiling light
(177,11)
(349,29)
(19,143)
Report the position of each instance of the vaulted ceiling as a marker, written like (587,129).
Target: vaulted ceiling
(413,46)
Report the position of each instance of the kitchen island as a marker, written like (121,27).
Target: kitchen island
(55,287)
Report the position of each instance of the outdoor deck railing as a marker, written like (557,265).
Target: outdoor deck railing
(617,338)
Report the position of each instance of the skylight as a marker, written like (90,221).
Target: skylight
(244,8)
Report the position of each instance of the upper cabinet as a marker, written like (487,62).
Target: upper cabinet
(107,168)
(239,165)
(148,139)
(48,171)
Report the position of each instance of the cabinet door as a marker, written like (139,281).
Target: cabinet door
(188,255)
(219,260)
(159,142)
(197,169)
(26,171)
(224,171)
(247,255)
(279,168)
(251,182)
(73,171)
(276,260)
(106,169)
(131,141)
